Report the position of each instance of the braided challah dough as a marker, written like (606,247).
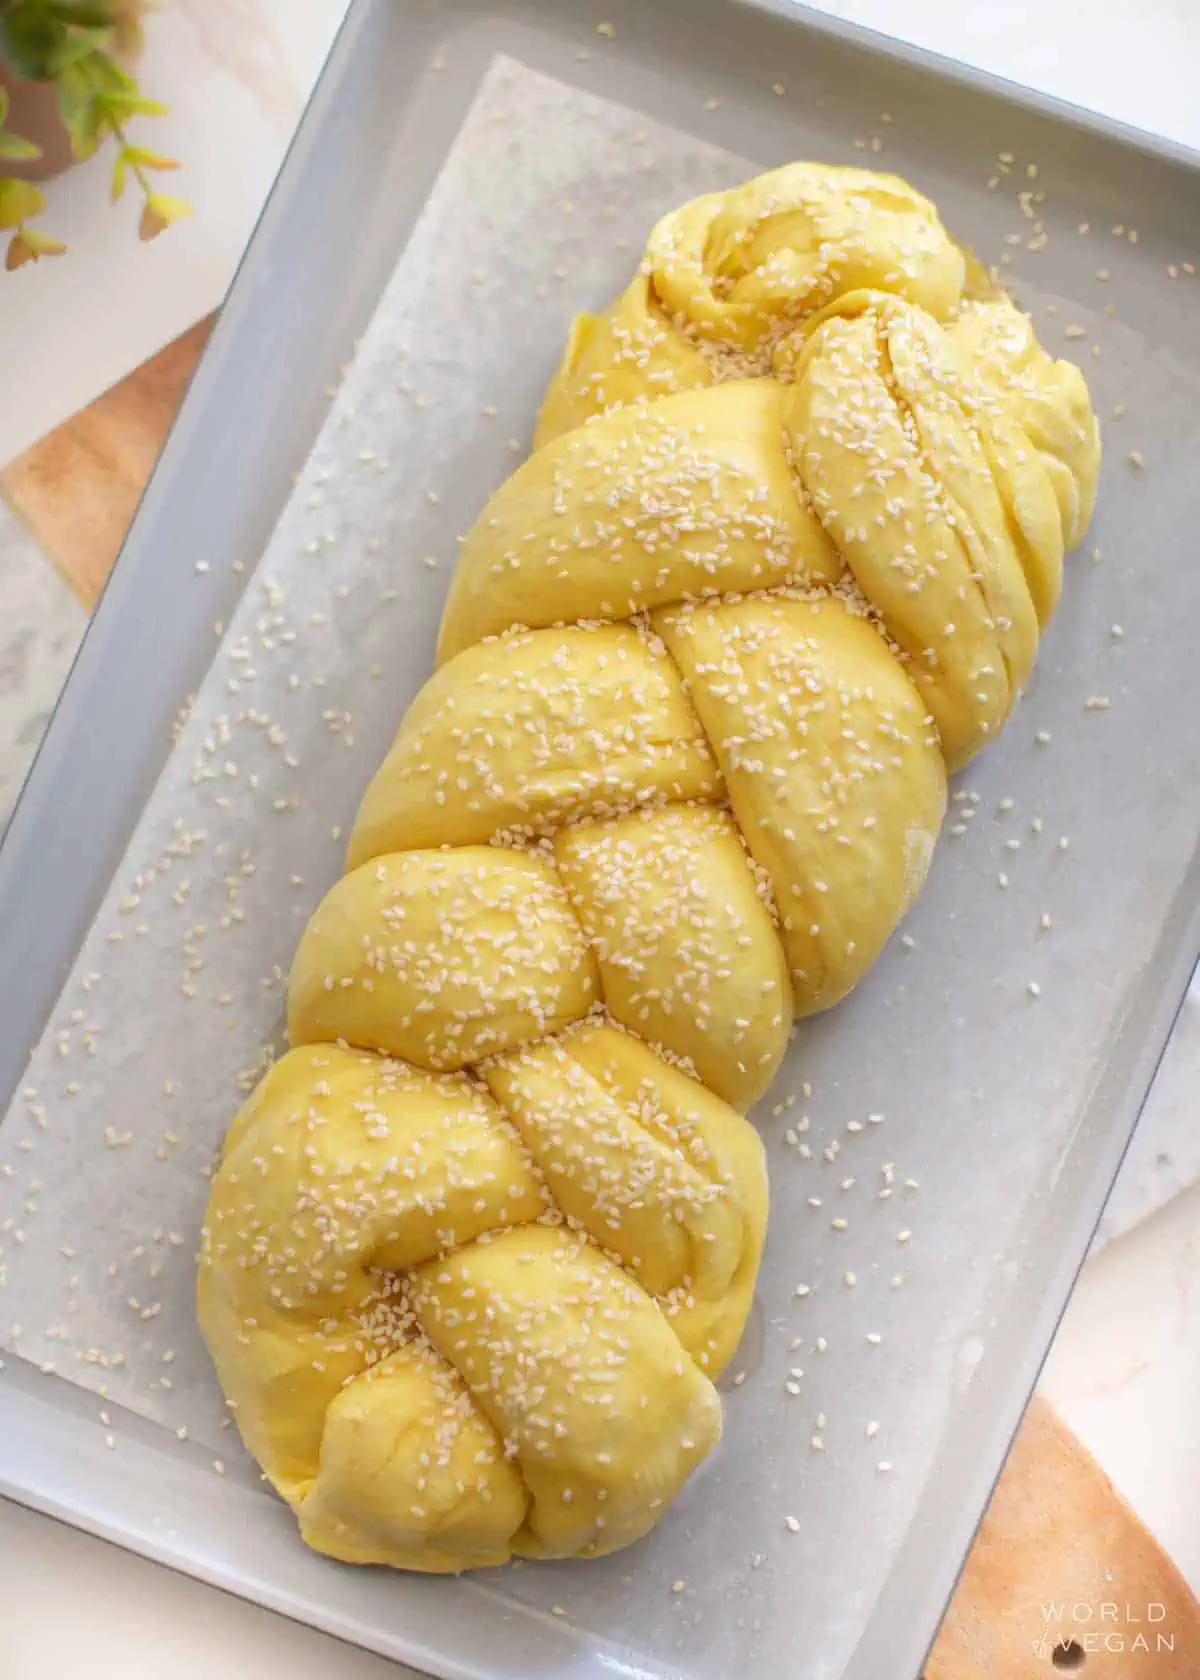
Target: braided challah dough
(480,1243)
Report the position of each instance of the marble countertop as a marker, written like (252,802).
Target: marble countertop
(1126,1365)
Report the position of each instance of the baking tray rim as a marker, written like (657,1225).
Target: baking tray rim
(32,1431)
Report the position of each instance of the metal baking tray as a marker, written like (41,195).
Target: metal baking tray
(1010,1111)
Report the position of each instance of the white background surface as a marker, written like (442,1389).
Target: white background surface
(1126,1367)
(235,74)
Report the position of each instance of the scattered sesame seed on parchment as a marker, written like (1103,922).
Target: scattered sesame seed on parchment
(328,729)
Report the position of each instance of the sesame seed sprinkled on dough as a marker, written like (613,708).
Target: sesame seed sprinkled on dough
(676,791)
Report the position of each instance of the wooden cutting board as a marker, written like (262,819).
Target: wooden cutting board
(1062,1579)
(78,489)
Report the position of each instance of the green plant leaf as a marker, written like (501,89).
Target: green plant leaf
(28,245)
(105,75)
(134,105)
(74,91)
(114,105)
(36,38)
(149,160)
(86,129)
(81,116)
(19,201)
(14,149)
(79,46)
(42,244)
(138,159)
(42,38)
(71,43)
(27,42)
(71,13)
(160,212)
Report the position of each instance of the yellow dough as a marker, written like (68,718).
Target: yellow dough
(480,1244)
(723,275)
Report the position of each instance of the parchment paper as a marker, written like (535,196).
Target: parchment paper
(177,993)
(928,1113)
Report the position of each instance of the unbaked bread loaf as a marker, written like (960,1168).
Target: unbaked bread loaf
(481,1242)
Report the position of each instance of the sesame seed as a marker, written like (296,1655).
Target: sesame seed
(644,929)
